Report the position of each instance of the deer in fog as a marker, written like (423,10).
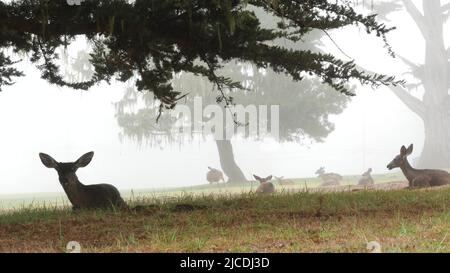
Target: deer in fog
(366,178)
(99,196)
(329,179)
(418,178)
(265,186)
(214,176)
(284,182)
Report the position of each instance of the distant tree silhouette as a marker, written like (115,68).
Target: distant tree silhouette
(304,106)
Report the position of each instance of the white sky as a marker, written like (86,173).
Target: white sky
(37,117)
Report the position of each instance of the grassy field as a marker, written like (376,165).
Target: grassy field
(24,201)
(400,220)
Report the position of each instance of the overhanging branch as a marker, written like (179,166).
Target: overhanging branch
(413,103)
(409,63)
(409,100)
(445,8)
(134,37)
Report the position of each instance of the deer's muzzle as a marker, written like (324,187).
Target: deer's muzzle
(391,166)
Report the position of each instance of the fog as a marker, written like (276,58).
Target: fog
(64,123)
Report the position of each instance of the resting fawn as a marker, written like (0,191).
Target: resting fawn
(214,176)
(366,178)
(265,186)
(329,179)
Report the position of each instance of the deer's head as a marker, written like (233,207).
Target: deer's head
(66,171)
(320,171)
(400,159)
(263,180)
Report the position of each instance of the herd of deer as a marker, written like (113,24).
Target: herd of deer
(416,178)
(106,196)
(329,179)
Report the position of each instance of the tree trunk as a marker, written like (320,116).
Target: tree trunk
(434,108)
(436,151)
(227,162)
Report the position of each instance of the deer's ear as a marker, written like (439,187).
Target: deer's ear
(410,149)
(257,177)
(48,161)
(84,160)
(268,178)
(403,150)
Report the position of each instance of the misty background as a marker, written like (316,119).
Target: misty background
(38,117)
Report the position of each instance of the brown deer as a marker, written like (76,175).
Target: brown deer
(265,186)
(329,179)
(366,178)
(99,196)
(418,178)
(284,182)
(214,175)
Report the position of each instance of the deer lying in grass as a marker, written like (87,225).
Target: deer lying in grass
(418,178)
(99,196)
(329,179)
(265,186)
(214,176)
(284,182)
(366,178)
